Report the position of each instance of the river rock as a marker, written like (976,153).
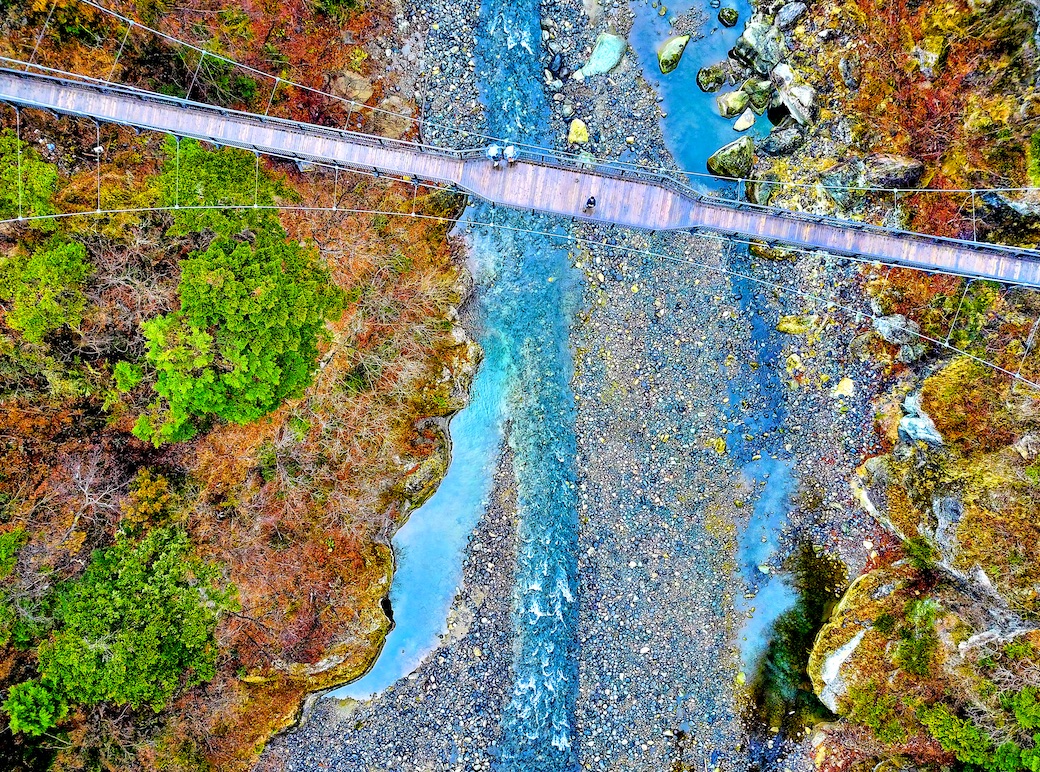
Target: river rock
(745,121)
(887,170)
(395,118)
(350,85)
(728,17)
(759,93)
(578,134)
(800,101)
(917,425)
(734,159)
(605,57)
(760,47)
(760,191)
(712,77)
(669,54)
(783,141)
(849,67)
(789,14)
(732,103)
(1027,446)
(930,55)
(896,328)
(556,64)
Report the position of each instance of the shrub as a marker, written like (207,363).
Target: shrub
(34,708)
(39,180)
(877,709)
(245,338)
(11,542)
(44,289)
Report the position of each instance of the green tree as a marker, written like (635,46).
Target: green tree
(34,184)
(245,338)
(34,708)
(44,289)
(133,630)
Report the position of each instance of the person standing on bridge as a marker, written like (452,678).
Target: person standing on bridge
(590,204)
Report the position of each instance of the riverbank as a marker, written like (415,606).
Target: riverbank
(445,714)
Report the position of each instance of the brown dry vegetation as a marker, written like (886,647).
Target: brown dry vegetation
(297,508)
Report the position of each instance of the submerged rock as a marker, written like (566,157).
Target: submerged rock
(712,77)
(734,159)
(606,55)
(669,54)
(728,17)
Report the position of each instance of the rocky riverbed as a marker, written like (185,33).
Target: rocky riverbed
(674,378)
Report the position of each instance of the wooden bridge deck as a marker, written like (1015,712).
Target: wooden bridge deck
(553,188)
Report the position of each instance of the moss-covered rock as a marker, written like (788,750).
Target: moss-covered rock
(669,54)
(734,159)
(712,77)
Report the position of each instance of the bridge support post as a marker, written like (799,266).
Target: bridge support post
(97,152)
(974,222)
(335,191)
(18,143)
(270,99)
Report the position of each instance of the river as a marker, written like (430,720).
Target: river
(525,298)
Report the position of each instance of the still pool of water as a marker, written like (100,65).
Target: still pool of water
(692,126)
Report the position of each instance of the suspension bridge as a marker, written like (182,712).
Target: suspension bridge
(537,181)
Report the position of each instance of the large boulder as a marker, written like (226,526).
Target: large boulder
(759,93)
(760,47)
(578,133)
(930,54)
(888,170)
(669,54)
(606,55)
(800,101)
(728,17)
(350,85)
(782,141)
(733,160)
(789,14)
(393,119)
(896,328)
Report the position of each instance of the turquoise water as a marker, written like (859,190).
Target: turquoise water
(692,126)
(429,547)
